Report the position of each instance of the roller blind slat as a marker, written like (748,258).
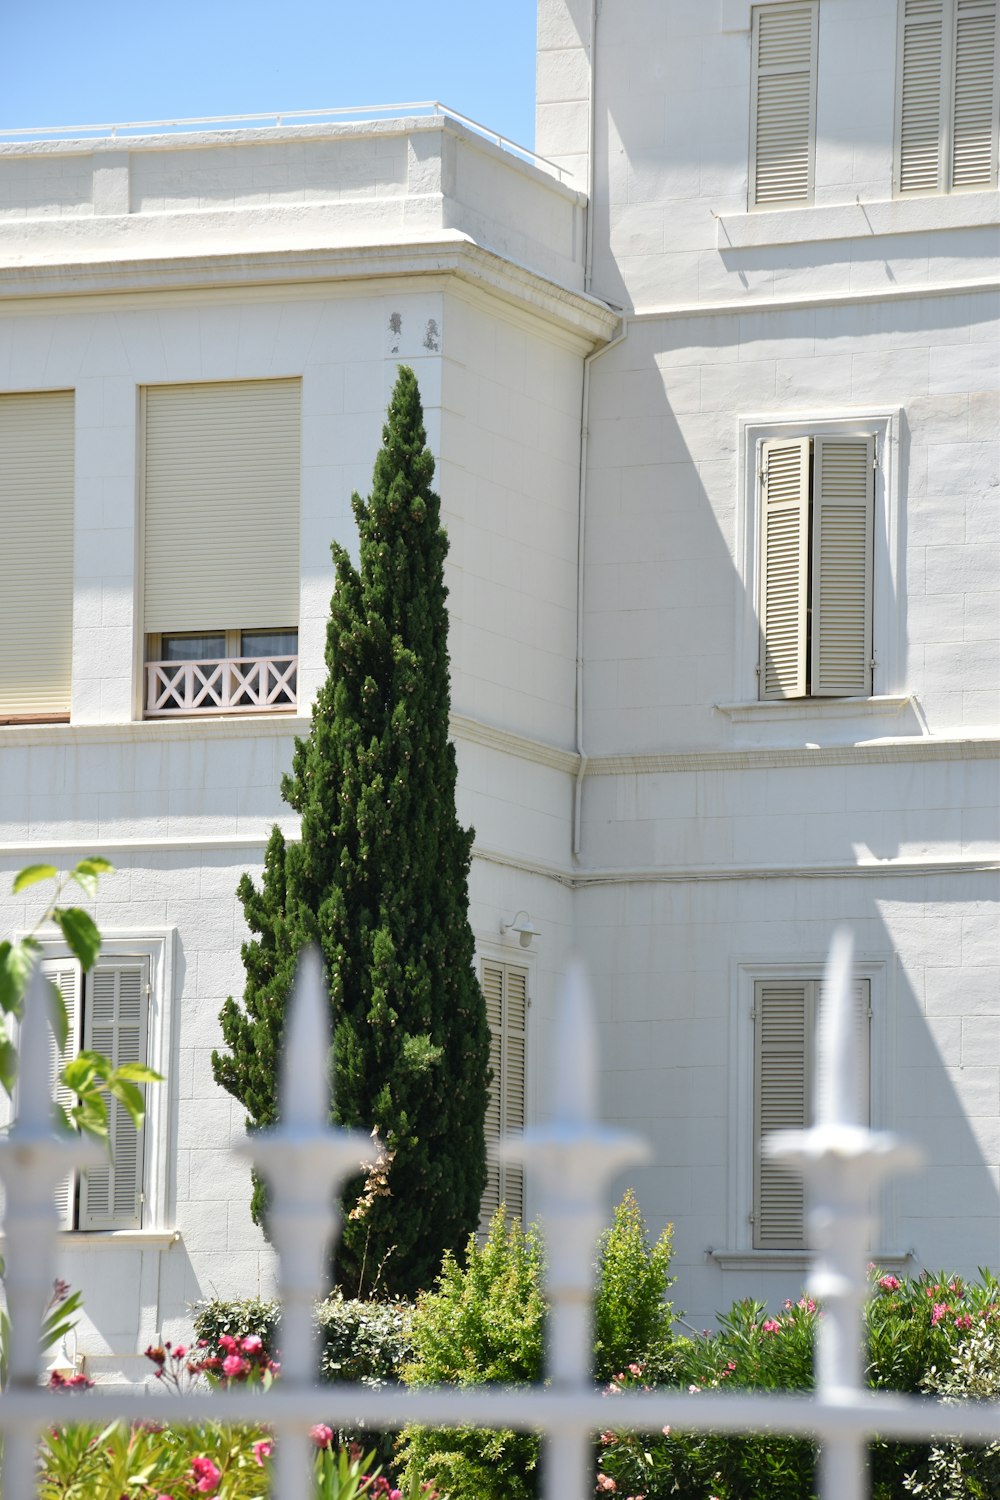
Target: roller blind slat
(36,559)
(221,519)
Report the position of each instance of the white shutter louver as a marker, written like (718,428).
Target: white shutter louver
(920,96)
(783,110)
(64,973)
(222,506)
(782,1048)
(974,95)
(36,559)
(784,568)
(115,1024)
(843,557)
(505,991)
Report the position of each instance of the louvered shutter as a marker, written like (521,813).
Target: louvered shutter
(843,558)
(784,568)
(782,1049)
(505,990)
(920,106)
(974,95)
(36,557)
(784,104)
(115,1023)
(65,974)
(221,537)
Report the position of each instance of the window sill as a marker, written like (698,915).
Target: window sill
(795,1260)
(773,709)
(116,1239)
(811,222)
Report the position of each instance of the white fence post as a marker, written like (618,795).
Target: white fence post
(305,1162)
(843,1163)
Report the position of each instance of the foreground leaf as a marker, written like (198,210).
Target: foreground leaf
(32,874)
(80,931)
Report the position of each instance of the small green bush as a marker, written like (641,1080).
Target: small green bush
(238,1317)
(632,1317)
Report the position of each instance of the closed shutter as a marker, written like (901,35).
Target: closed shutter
(65,974)
(974,141)
(784,568)
(782,1048)
(36,557)
(222,506)
(843,555)
(920,104)
(784,104)
(115,1024)
(505,990)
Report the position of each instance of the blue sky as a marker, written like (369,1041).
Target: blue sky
(70,62)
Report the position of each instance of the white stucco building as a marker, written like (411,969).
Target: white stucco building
(713,393)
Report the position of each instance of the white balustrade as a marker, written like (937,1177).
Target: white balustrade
(231,684)
(572,1157)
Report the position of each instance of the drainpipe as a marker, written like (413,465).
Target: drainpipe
(581,539)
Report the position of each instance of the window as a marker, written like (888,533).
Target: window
(784,1018)
(36,558)
(817,520)
(946,104)
(221,546)
(505,990)
(783,104)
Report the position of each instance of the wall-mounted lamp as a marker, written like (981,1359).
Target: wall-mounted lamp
(522,924)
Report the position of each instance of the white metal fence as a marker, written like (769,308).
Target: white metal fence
(572,1159)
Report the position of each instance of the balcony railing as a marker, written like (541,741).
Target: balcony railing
(232,685)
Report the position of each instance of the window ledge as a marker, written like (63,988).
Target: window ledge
(116,1239)
(794,1260)
(773,709)
(855,221)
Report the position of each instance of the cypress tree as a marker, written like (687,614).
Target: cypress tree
(379,880)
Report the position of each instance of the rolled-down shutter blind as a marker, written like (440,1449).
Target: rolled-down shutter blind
(784,104)
(974,93)
(505,990)
(921,97)
(116,1017)
(65,974)
(222,506)
(784,568)
(36,556)
(843,547)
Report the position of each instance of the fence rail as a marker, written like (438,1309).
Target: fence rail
(572,1158)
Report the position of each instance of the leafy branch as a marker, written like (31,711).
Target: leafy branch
(90,1076)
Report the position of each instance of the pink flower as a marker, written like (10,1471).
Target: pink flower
(227,1342)
(808,1304)
(207,1475)
(180,1351)
(963,1322)
(321,1435)
(889,1284)
(770,1326)
(251,1344)
(234,1365)
(607,1438)
(262,1449)
(939,1311)
(605,1482)
(635,1370)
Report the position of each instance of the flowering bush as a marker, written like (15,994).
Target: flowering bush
(916,1329)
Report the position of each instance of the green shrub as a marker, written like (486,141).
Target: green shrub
(238,1317)
(632,1317)
(954,1471)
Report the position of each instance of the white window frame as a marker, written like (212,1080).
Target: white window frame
(887,638)
(157,946)
(879,970)
(946,136)
(516,957)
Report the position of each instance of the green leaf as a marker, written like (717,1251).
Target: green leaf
(80,931)
(32,874)
(138,1073)
(8,1065)
(86,872)
(58,1016)
(91,1115)
(80,1073)
(17,960)
(130,1096)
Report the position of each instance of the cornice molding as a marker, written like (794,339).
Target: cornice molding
(796,301)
